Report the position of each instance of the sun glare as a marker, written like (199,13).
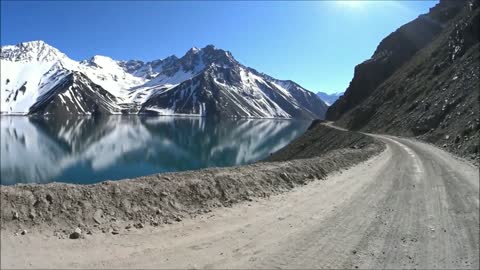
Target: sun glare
(350,3)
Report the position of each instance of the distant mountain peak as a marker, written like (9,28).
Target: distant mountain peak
(102,61)
(101,58)
(329,99)
(34,43)
(208,81)
(193,50)
(37,50)
(171,57)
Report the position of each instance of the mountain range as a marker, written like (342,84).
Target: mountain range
(329,99)
(37,78)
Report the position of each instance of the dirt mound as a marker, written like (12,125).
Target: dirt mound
(318,140)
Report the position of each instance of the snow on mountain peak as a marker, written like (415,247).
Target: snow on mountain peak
(32,51)
(103,62)
(194,49)
(32,72)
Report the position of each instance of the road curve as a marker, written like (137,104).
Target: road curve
(412,206)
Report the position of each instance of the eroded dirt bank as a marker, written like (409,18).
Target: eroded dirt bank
(117,206)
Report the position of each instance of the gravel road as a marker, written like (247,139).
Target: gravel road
(412,206)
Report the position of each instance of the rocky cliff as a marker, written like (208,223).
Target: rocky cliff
(421,81)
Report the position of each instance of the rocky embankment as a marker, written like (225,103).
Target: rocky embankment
(422,81)
(68,210)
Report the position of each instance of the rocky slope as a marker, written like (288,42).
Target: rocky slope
(75,94)
(237,92)
(423,80)
(312,143)
(39,79)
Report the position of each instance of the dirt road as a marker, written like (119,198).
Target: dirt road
(412,206)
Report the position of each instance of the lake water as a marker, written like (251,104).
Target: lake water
(88,150)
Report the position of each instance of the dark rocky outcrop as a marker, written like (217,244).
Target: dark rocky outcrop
(392,52)
(422,81)
(75,95)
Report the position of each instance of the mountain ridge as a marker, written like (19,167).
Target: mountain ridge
(433,95)
(329,99)
(133,82)
(392,52)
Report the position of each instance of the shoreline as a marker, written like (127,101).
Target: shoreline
(168,197)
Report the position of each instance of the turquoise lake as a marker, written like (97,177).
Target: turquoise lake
(87,150)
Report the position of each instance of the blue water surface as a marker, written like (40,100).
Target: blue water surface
(87,150)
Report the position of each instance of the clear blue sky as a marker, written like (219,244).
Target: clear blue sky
(316,44)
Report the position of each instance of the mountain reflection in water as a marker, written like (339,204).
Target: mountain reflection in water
(93,149)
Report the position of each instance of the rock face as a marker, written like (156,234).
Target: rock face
(75,94)
(392,52)
(423,80)
(236,91)
(224,87)
(39,79)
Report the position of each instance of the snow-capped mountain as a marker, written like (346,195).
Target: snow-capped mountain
(39,79)
(329,99)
